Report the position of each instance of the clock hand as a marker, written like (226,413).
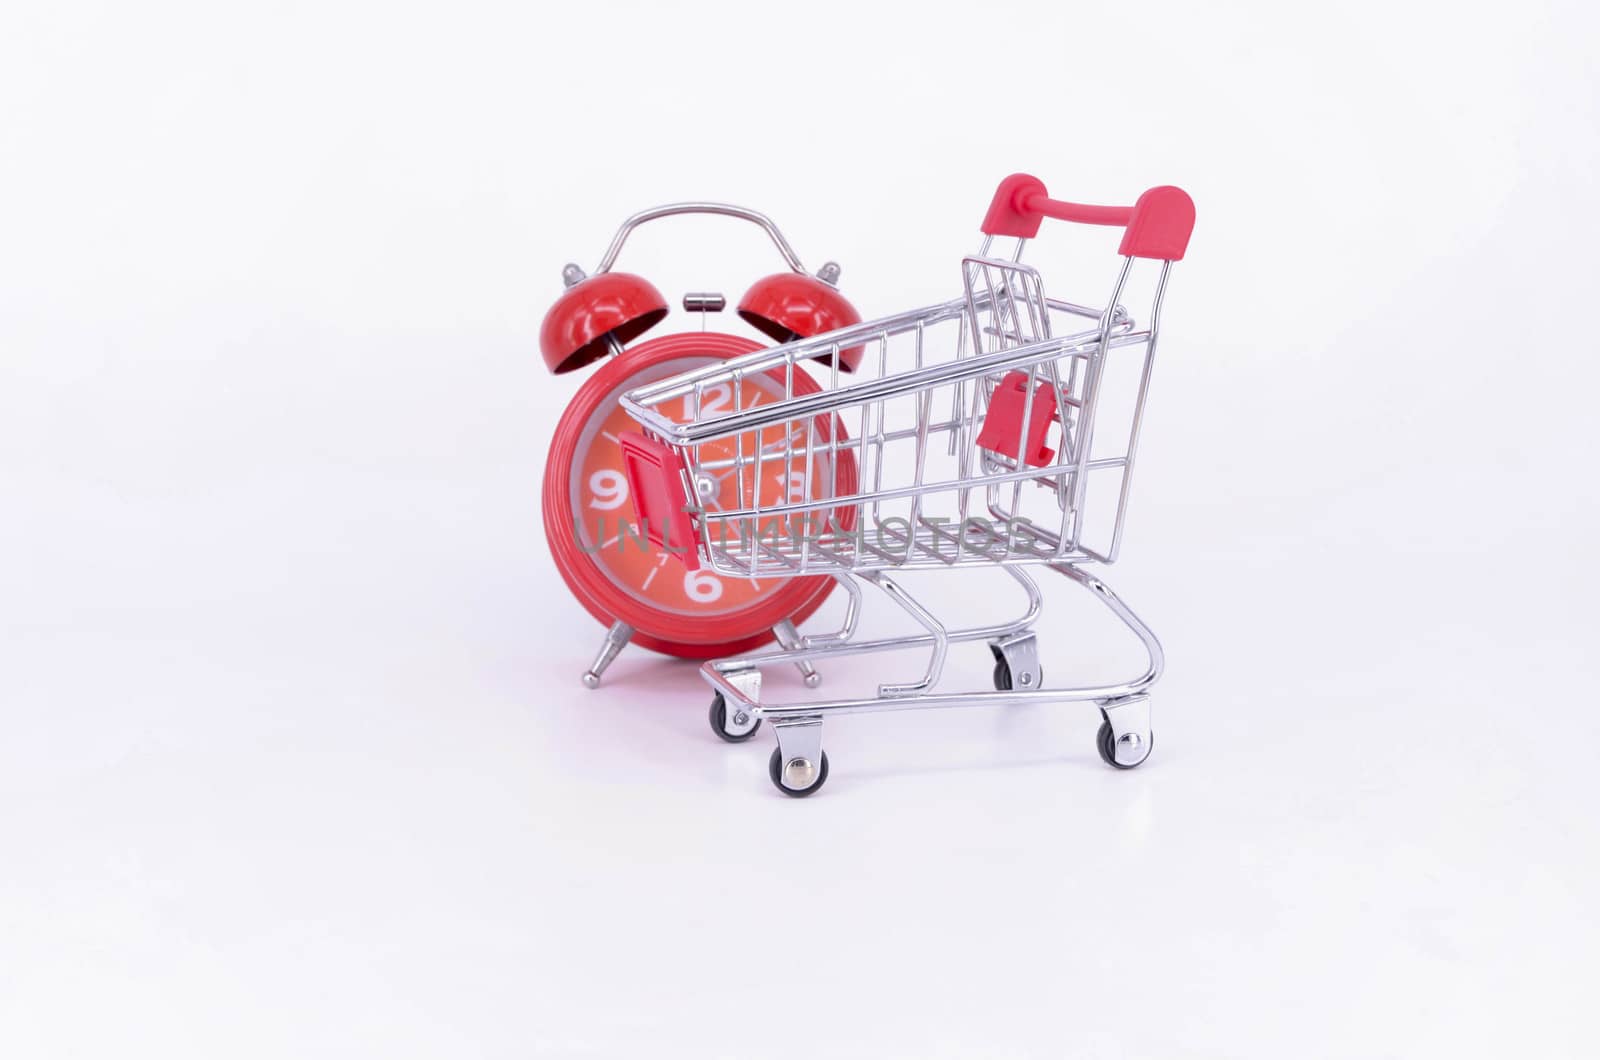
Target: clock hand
(769,449)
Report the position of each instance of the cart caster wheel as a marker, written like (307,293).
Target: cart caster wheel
(1002,676)
(719,721)
(1106,743)
(800,771)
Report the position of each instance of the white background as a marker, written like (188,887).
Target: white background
(295,761)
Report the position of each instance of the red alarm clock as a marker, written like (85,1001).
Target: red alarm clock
(637,590)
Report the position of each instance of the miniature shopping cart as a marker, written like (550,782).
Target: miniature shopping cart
(979,432)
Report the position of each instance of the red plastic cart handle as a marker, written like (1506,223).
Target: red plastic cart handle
(1157,226)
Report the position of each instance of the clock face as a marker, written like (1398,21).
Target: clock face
(608,527)
(593,529)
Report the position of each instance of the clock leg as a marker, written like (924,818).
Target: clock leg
(617,638)
(789,640)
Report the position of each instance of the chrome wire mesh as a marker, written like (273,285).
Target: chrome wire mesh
(891,467)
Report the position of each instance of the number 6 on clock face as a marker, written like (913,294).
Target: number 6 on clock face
(604,555)
(702,587)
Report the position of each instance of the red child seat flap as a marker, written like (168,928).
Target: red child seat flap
(1003,425)
(655,482)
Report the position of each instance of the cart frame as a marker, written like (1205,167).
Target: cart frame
(1012,385)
